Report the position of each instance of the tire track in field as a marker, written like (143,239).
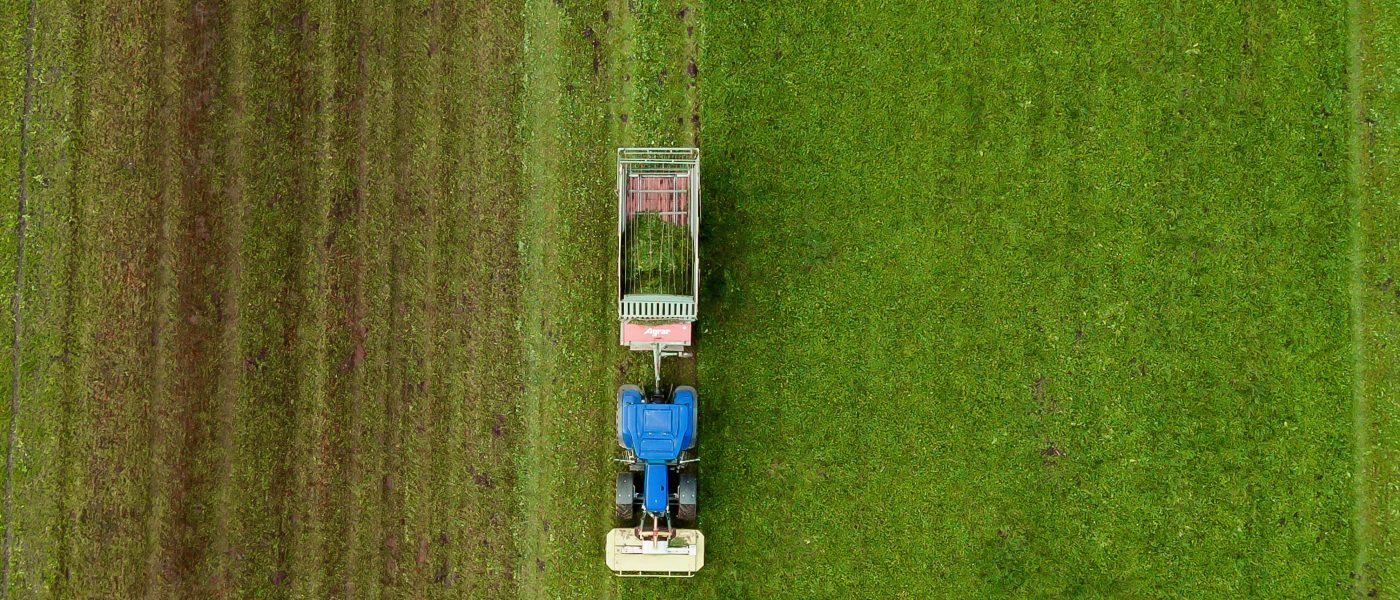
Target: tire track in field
(17,297)
(394,388)
(66,529)
(1375,226)
(281,403)
(159,138)
(1361,414)
(205,231)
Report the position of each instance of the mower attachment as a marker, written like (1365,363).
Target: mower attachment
(661,555)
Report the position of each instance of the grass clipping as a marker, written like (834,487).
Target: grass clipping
(658,256)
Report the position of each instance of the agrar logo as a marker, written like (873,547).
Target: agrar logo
(656,332)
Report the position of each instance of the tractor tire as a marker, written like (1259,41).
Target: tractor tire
(685,513)
(624,496)
(687,490)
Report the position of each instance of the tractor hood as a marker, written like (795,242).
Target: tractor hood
(658,432)
(655,488)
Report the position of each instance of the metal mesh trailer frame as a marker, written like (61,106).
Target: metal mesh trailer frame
(664,182)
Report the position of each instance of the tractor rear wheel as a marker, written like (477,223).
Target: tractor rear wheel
(686,513)
(625,494)
(687,490)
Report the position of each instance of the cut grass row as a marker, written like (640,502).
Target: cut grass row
(269,346)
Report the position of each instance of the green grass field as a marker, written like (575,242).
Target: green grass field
(1062,313)
(1012,300)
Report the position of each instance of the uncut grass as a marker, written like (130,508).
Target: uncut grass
(660,77)
(1039,300)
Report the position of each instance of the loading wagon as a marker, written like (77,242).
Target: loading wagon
(658,193)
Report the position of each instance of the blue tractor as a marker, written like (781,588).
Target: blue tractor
(658,288)
(658,432)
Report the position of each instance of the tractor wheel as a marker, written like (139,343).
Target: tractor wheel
(686,513)
(687,505)
(624,497)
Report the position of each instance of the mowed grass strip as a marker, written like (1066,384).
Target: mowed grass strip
(1376,139)
(116,287)
(568,319)
(1031,299)
(37,493)
(410,248)
(588,72)
(345,446)
(378,32)
(234,364)
(476,291)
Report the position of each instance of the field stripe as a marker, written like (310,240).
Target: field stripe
(540,143)
(1375,152)
(204,330)
(345,281)
(1361,414)
(67,529)
(113,282)
(17,297)
(158,138)
(281,337)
